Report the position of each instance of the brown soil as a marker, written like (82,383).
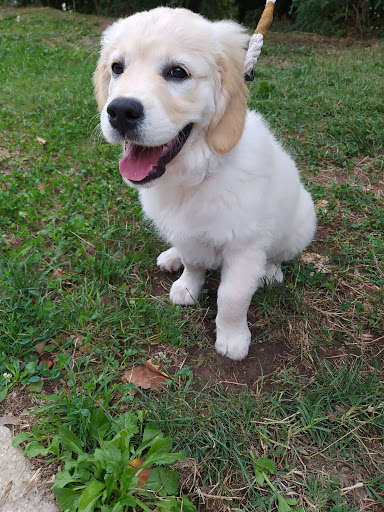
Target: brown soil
(367,174)
(302,40)
(267,357)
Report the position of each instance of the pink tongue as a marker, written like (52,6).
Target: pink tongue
(136,165)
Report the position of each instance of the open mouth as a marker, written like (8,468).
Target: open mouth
(141,164)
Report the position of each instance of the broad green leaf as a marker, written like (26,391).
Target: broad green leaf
(70,441)
(119,507)
(264,466)
(3,394)
(129,501)
(62,479)
(151,434)
(20,438)
(90,495)
(67,499)
(169,505)
(125,428)
(163,482)
(128,422)
(34,448)
(163,458)
(143,505)
(187,505)
(161,446)
(83,474)
(109,458)
(282,504)
(86,458)
(127,480)
(141,414)
(259,478)
(36,387)
(99,424)
(176,505)
(123,440)
(69,462)
(55,445)
(110,485)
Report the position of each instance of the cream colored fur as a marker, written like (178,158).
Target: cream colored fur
(232,199)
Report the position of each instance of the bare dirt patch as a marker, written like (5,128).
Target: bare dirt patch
(366,174)
(299,40)
(288,347)
(19,403)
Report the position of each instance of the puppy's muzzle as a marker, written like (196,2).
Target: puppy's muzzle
(126,116)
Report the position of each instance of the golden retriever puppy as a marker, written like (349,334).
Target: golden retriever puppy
(211,177)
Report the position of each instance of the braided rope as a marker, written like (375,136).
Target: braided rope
(257,40)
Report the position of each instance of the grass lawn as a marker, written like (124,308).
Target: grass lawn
(299,424)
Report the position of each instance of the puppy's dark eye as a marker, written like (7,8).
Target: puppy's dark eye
(117,68)
(176,73)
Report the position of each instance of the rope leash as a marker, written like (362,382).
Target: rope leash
(257,40)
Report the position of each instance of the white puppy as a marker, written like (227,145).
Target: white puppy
(211,177)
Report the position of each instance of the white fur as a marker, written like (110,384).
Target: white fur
(244,211)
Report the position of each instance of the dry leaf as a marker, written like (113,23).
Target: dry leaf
(59,272)
(322,204)
(45,359)
(146,376)
(143,475)
(317,260)
(40,348)
(113,348)
(142,377)
(78,339)
(42,141)
(154,367)
(366,337)
(9,420)
(41,187)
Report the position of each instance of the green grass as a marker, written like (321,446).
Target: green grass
(77,275)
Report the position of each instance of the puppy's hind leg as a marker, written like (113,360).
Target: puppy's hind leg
(242,274)
(273,274)
(169,260)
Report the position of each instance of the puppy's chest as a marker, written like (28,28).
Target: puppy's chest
(190,218)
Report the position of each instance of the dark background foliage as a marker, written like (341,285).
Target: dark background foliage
(326,17)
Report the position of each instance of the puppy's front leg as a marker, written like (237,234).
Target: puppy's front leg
(169,260)
(187,288)
(241,276)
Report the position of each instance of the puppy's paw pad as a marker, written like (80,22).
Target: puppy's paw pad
(183,294)
(235,345)
(169,260)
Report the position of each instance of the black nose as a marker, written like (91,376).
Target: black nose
(125,115)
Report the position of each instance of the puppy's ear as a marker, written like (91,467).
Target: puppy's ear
(226,127)
(101,79)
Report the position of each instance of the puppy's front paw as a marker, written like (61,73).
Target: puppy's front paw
(233,343)
(170,260)
(184,292)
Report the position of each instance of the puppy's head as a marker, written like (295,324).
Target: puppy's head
(166,80)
